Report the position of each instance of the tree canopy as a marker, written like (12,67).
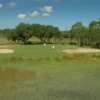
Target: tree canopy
(23,32)
(78,34)
(86,36)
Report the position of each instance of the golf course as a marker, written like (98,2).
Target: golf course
(49,49)
(38,72)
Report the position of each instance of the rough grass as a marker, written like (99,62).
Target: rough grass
(55,81)
(9,76)
(41,73)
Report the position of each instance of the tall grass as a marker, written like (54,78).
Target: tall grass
(9,76)
(70,82)
(59,58)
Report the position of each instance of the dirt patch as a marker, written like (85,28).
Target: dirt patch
(6,51)
(81,50)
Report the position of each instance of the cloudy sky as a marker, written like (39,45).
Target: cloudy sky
(60,13)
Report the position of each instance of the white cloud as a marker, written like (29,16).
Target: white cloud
(47,9)
(1,5)
(12,4)
(45,14)
(34,14)
(23,17)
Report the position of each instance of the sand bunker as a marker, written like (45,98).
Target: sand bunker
(5,46)
(81,50)
(6,51)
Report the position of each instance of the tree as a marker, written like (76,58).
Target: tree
(41,31)
(94,25)
(12,35)
(51,32)
(77,33)
(45,33)
(23,32)
(94,31)
(65,34)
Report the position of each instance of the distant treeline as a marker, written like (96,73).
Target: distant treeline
(78,34)
(85,36)
(23,32)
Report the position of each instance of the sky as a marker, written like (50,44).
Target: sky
(60,13)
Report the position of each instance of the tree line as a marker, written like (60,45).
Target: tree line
(23,32)
(78,34)
(85,36)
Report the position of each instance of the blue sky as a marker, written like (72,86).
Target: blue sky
(60,13)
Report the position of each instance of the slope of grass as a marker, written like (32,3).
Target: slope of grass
(35,72)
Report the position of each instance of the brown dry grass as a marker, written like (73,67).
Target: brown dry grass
(9,76)
(7,44)
(80,57)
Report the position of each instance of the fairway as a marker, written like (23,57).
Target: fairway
(37,72)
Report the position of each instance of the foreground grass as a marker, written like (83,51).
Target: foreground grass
(42,73)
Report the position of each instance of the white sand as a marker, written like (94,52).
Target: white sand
(6,51)
(81,50)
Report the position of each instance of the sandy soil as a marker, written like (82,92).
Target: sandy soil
(6,51)
(81,50)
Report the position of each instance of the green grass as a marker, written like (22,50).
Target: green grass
(36,51)
(3,40)
(35,72)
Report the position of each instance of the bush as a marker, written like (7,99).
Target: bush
(72,43)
